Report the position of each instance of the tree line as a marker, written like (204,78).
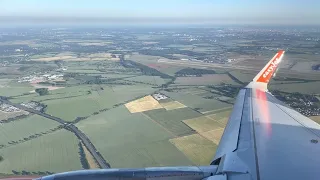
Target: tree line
(194,72)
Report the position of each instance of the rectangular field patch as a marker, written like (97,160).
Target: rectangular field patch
(172,105)
(146,103)
(197,148)
(203,124)
(213,135)
(172,120)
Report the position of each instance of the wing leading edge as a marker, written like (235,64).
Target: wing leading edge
(265,139)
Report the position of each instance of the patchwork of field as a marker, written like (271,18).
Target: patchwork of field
(131,140)
(213,135)
(57,94)
(23,128)
(14,89)
(143,104)
(221,117)
(97,100)
(305,88)
(69,56)
(153,80)
(172,120)
(196,102)
(197,148)
(7,115)
(171,105)
(203,124)
(212,79)
(91,42)
(211,126)
(55,152)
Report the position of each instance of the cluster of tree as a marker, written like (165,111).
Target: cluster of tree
(194,72)
(1,158)
(83,159)
(167,84)
(42,91)
(80,119)
(35,136)
(139,82)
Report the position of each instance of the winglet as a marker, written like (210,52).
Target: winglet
(263,77)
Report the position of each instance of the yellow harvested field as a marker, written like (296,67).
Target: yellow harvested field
(172,105)
(213,135)
(217,110)
(221,117)
(146,103)
(54,58)
(203,124)
(197,148)
(89,157)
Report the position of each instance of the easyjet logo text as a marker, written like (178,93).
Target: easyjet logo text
(272,67)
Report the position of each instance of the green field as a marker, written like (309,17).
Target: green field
(214,79)
(55,152)
(159,153)
(25,127)
(71,108)
(55,94)
(197,102)
(131,140)
(243,76)
(14,89)
(304,88)
(154,80)
(172,119)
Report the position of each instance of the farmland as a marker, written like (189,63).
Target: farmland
(202,124)
(172,120)
(143,104)
(23,128)
(197,102)
(142,97)
(7,115)
(14,89)
(121,130)
(198,149)
(214,79)
(55,152)
(97,100)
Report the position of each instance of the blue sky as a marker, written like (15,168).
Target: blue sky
(257,10)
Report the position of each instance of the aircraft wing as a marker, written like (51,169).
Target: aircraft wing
(265,139)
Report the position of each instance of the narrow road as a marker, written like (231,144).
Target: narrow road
(68,126)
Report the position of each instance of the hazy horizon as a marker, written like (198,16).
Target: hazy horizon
(286,12)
